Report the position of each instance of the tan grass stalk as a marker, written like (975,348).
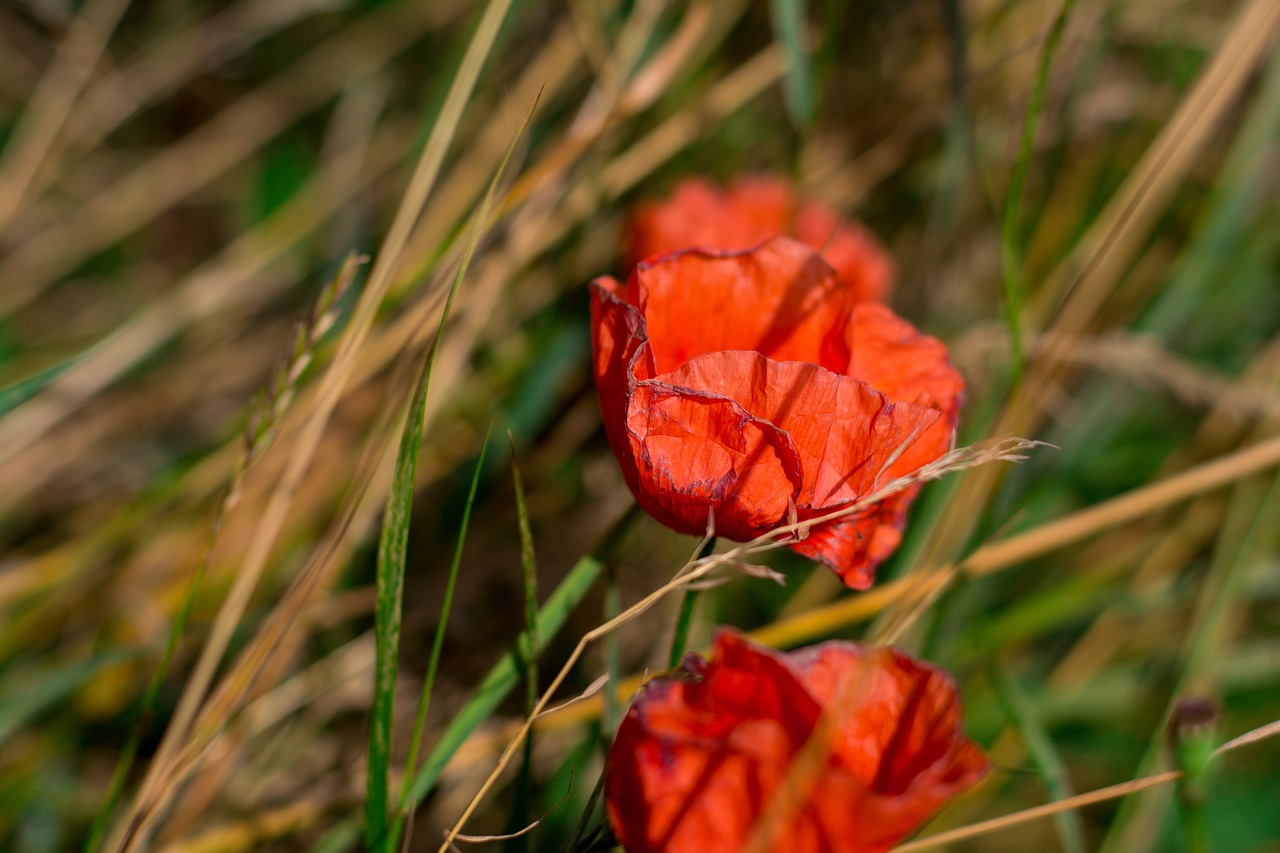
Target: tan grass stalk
(229,277)
(1111,792)
(160,67)
(1137,358)
(999,556)
(52,103)
(725,96)
(227,280)
(330,391)
(1084,282)
(208,152)
(1082,285)
(1163,551)
(1177,543)
(696,569)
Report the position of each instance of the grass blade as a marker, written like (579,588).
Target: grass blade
(502,679)
(394,542)
(504,676)
(393,546)
(21,699)
(1044,755)
(529,562)
(15,395)
(433,664)
(262,421)
(788,27)
(331,386)
(680,639)
(1011,238)
(527,645)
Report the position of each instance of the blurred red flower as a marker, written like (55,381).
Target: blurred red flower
(725,749)
(698,215)
(745,383)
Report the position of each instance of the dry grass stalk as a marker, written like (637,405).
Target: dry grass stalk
(168,760)
(1085,281)
(52,102)
(1101,795)
(206,153)
(993,557)
(1139,359)
(697,569)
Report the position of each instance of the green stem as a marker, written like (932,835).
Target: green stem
(687,605)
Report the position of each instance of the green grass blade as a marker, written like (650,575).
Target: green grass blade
(580,831)
(529,563)
(503,678)
(680,639)
(433,664)
(612,657)
(13,396)
(392,549)
(394,541)
(788,27)
(1044,755)
(528,644)
(1011,227)
(22,697)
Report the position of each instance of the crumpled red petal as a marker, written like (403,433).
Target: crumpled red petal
(700,757)
(893,357)
(746,384)
(749,212)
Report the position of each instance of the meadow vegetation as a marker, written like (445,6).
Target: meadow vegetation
(305,499)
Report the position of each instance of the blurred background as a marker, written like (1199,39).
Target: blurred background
(208,341)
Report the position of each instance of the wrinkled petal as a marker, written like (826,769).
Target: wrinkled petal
(900,721)
(843,429)
(780,300)
(702,758)
(737,385)
(892,356)
(694,760)
(686,453)
(746,214)
(700,454)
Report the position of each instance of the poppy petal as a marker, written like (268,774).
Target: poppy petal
(781,300)
(749,212)
(686,453)
(699,455)
(844,430)
(735,385)
(701,760)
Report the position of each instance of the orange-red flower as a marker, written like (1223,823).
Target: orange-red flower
(698,215)
(745,384)
(837,748)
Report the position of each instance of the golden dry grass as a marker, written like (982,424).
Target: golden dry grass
(178,182)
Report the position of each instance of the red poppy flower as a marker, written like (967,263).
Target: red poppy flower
(704,759)
(745,383)
(697,215)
